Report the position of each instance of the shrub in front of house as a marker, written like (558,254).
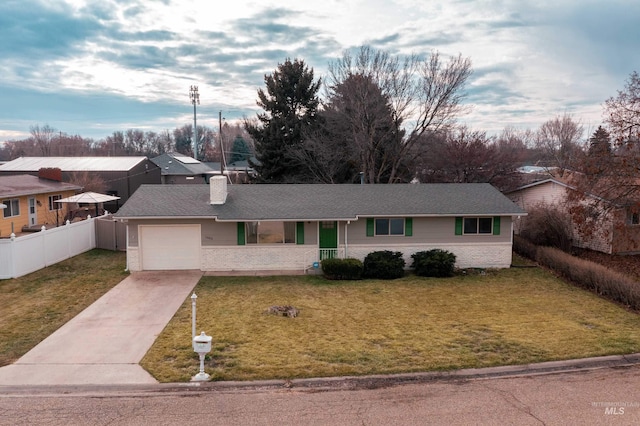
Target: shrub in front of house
(342,269)
(434,263)
(384,264)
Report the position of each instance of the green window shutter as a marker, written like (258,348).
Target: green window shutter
(496,225)
(370,225)
(408,227)
(299,232)
(241,237)
(458,226)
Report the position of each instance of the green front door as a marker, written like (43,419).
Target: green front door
(328,233)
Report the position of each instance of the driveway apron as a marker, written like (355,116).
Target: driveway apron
(105,342)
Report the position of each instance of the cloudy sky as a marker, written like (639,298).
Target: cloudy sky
(93,67)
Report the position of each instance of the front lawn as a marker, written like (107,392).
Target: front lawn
(35,305)
(514,316)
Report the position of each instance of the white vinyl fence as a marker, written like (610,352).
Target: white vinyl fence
(25,254)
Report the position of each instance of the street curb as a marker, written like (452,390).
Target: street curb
(338,383)
(377,381)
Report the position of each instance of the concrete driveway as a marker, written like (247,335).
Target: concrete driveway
(105,342)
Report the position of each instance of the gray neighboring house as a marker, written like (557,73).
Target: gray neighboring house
(238,172)
(121,175)
(249,228)
(178,168)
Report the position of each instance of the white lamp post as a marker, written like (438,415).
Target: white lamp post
(193,315)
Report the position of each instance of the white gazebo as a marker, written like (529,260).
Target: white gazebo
(89,198)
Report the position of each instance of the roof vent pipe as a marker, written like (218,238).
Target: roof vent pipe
(218,189)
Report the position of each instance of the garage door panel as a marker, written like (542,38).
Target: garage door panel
(169,247)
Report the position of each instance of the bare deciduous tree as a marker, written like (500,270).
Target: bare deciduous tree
(559,139)
(88,181)
(424,95)
(623,112)
(42,137)
(463,155)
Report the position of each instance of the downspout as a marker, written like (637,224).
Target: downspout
(346,239)
(126,247)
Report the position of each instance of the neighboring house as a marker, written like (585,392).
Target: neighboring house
(121,175)
(618,228)
(248,228)
(30,202)
(178,168)
(239,171)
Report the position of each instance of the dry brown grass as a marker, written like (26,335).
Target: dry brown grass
(34,306)
(375,327)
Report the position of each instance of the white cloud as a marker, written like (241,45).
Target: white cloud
(533,60)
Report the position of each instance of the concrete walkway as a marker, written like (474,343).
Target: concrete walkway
(105,342)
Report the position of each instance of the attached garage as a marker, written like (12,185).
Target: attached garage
(169,247)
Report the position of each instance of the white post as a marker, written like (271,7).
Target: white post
(193,315)
(13,252)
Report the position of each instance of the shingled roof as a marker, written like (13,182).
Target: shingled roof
(318,202)
(176,164)
(21,185)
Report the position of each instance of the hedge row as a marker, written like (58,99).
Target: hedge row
(583,273)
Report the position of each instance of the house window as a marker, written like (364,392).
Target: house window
(478,225)
(52,202)
(388,226)
(13,208)
(270,232)
(634,218)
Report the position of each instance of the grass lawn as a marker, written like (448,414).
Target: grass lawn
(35,305)
(513,316)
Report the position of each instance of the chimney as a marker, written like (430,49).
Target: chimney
(51,173)
(218,189)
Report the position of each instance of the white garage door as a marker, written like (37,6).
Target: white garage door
(168,247)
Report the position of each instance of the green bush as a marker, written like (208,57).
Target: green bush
(434,263)
(342,269)
(384,264)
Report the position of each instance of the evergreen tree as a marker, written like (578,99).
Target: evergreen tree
(598,157)
(600,142)
(290,104)
(240,151)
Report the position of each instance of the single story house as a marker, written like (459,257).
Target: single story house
(220,227)
(617,230)
(29,202)
(178,168)
(121,175)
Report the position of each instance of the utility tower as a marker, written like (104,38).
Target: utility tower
(195,99)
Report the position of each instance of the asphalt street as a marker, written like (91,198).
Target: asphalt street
(607,395)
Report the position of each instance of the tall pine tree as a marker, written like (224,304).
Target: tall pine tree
(290,104)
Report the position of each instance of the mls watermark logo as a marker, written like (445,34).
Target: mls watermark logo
(615,408)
